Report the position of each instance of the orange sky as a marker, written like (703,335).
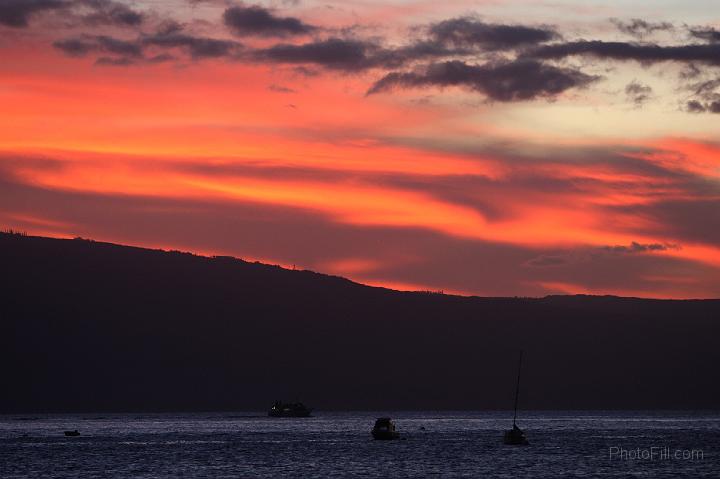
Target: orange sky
(430,188)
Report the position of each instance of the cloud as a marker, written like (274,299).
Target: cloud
(638,93)
(281,89)
(707,97)
(639,28)
(17,13)
(597,254)
(353,54)
(197,47)
(115,61)
(708,34)
(109,12)
(501,81)
(255,20)
(696,219)
(333,53)
(81,46)
(470,32)
(173,36)
(696,106)
(641,52)
(635,247)
(545,260)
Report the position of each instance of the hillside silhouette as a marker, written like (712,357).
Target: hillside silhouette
(91,326)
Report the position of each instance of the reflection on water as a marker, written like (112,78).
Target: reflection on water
(449,444)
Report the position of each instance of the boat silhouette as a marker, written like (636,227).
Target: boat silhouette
(384,429)
(516,436)
(293,409)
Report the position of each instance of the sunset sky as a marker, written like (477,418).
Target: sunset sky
(488,147)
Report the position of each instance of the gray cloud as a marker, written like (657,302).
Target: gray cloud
(81,46)
(333,54)
(502,81)
(110,12)
(354,54)
(638,93)
(707,97)
(281,89)
(635,247)
(639,28)
(708,34)
(115,61)
(198,47)
(130,52)
(696,106)
(17,13)
(641,52)
(470,32)
(255,20)
(546,260)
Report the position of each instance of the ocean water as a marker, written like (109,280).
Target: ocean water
(333,444)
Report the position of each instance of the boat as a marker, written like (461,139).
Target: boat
(72,433)
(384,429)
(291,409)
(516,436)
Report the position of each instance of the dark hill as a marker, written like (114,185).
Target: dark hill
(89,326)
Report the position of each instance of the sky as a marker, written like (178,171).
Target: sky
(487,147)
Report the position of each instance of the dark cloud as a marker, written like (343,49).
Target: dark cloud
(545,260)
(169,36)
(707,97)
(161,58)
(635,247)
(115,61)
(421,50)
(690,72)
(502,81)
(173,36)
(281,89)
(708,34)
(119,47)
(641,52)
(595,254)
(110,12)
(75,47)
(333,53)
(81,46)
(17,13)
(470,32)
(638,93)
(352,55)
(639,28)
(696,106)
(255,20)
(706,89)
(694,220)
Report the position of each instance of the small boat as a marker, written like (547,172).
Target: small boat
(385,429)
(293,409)
(516,436)
(72,433)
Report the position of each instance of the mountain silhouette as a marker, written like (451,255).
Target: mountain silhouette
(91,326)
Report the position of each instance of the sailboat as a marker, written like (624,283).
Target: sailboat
(516,436)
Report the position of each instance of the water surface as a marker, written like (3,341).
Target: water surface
(333,444)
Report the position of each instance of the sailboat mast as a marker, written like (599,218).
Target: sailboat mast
(517,387)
